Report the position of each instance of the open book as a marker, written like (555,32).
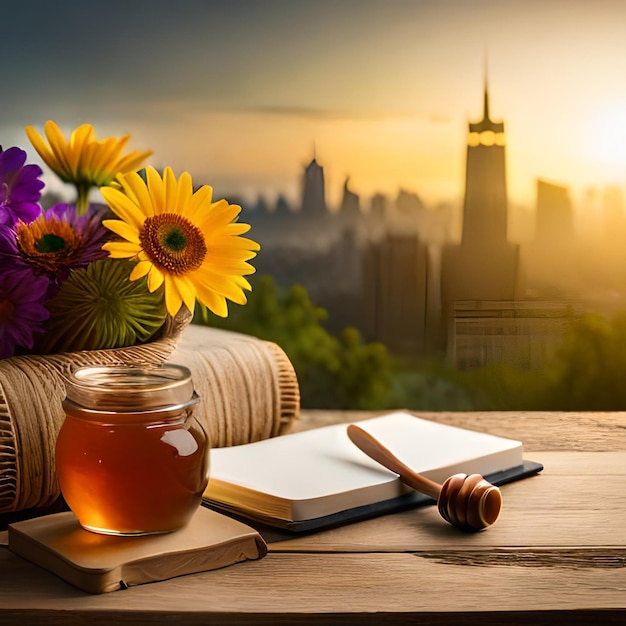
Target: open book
(319,478)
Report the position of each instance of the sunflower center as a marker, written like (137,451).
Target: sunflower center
(173,243)
(175,239)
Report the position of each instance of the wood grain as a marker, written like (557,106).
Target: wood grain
(578,500)
(333,584)
(557,555)
(568,431)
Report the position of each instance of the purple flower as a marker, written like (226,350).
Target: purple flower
(54,243)
(21,310)
(20,188)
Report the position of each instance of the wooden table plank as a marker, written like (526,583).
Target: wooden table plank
(567,431)
(556,556)
(578,500)
(331,583)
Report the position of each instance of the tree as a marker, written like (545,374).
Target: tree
(589,368)
(342,373)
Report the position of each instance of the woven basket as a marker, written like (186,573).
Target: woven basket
(248,388)
(31,413)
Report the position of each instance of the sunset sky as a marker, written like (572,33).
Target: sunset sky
(241,92)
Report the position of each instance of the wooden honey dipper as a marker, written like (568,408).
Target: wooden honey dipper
(470,503)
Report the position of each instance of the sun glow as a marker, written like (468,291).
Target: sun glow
(607,137)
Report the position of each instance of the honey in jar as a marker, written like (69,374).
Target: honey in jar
(131,458)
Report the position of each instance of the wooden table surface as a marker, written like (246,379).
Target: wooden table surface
(557,555)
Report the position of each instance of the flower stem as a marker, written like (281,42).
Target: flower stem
(82,203)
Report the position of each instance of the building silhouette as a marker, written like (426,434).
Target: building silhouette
(552,259)
(485,265)
(521,333)
(396,270)
(350,218)
(313,190)
(554,214)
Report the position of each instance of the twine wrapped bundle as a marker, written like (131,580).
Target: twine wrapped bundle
(248,389)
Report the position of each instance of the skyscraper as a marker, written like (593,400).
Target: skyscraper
(313,192)
(396,284)
(554,214)
(484,266)
(485,204)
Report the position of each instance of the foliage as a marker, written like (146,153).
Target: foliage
(428,385)
(588,373)
(503,387)
(333,372)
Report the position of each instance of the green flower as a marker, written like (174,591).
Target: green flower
(97,308)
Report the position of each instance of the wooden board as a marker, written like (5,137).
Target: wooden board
(100,563)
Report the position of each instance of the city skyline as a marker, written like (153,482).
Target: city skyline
(241,93)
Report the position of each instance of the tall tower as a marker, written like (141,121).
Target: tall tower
(485,266)
(313,193)
(485,204)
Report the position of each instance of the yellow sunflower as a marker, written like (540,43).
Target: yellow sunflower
(180,239)
(84,160)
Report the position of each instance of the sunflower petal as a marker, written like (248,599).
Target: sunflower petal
(227,266)
(136,189)
(42,149)
(140,270)
(212,301)
(224,286)
(223,246)
(224,211)
(58,145)
(184,193)
(123,206)
(237,228)
(155,278)
(155,188)
(173,299)
(187,290)
(84,160)
(242,282)
(200,203)
(123,229)
(121,249)
(170,189)
(103,162)
(79,140)
(133,161)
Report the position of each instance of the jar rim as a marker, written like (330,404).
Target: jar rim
(129,387)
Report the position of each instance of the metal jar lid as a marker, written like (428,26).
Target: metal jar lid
(123,388)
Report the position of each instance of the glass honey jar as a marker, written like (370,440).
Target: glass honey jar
(131,458)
